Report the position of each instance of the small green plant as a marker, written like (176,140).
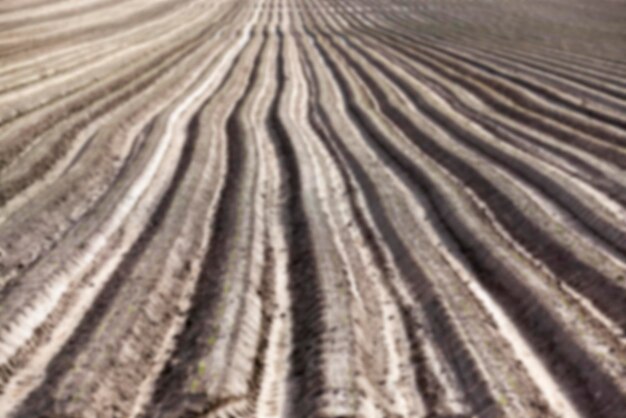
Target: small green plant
(202,368)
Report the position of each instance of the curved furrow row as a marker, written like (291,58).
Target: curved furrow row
(530,95)
(120,204)
(501,36)
(420,96)
(541,182)
(287,208)
(618,305)
(85,185)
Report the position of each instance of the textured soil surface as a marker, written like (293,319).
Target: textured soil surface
(312,208)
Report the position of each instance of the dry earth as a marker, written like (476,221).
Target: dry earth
(312,208)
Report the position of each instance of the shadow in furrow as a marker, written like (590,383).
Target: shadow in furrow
(172,397)
(589,388)
(427,384)
(603,291)
(404,31)
(422,53)
(42,401)
(439,323)
(306,381)
(596,177)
